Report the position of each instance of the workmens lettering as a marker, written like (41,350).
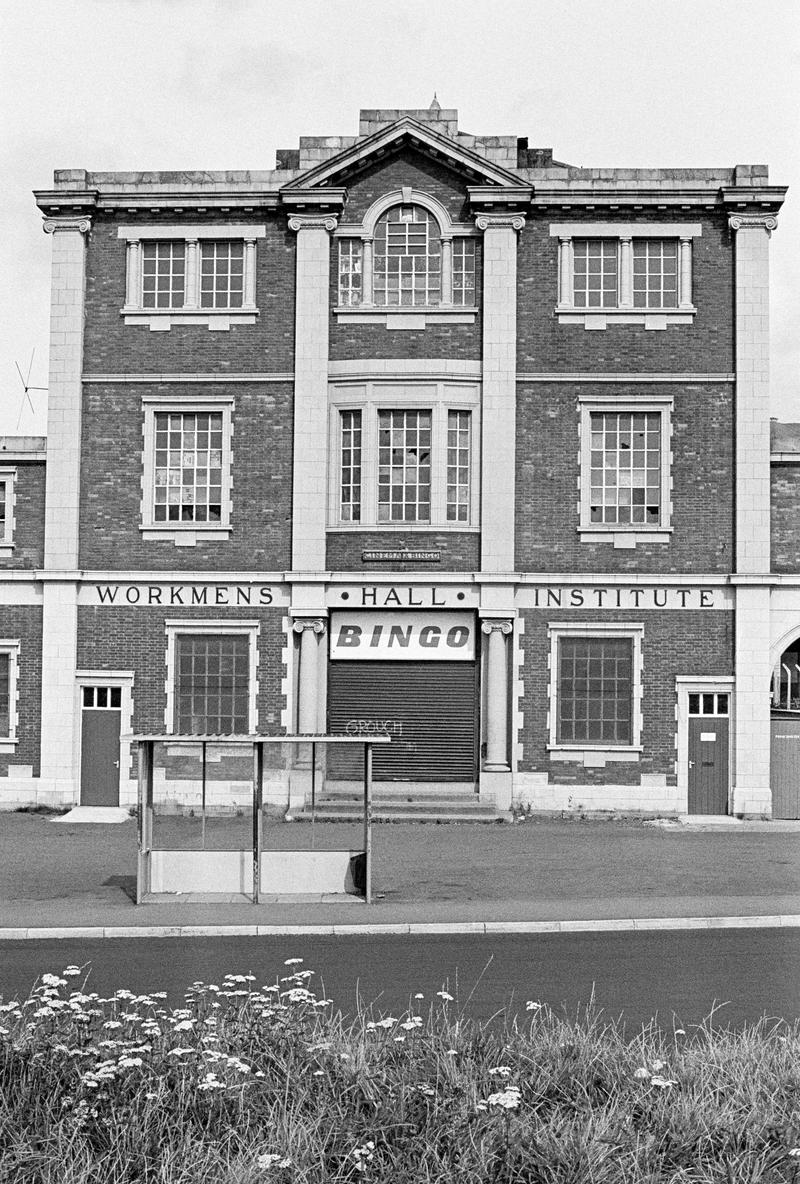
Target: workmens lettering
(402,636)
(212,595)
(624,597)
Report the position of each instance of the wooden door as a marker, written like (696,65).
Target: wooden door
(101,719)
(709,742)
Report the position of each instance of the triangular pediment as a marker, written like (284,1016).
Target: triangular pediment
(475,168)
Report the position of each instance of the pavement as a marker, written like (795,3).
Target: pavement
(538,875)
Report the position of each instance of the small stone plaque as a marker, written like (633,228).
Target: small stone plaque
(401,556)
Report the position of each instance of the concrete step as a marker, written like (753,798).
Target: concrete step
(389,815)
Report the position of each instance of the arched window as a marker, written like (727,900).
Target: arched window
(407,258)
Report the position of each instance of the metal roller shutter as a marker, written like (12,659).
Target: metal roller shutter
(431,709)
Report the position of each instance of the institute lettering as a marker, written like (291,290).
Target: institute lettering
(183,595)
(624,597)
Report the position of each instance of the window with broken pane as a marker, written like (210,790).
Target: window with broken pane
(595,690)
(625,468)
(188,468)
(350,271)
(407,257)
(404,466)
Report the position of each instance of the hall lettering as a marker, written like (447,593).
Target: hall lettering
(375,597)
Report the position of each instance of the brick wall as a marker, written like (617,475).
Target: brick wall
(675,642)
(460,551)
(23,623)
(111,481)
(135,639)
(28,516)
(112,347)
(785,519)
(547,482)
(706,346)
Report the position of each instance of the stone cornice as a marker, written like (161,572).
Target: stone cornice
(300,197)
(492,197)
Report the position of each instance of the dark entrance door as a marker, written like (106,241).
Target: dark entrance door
(708,752)
(429,709)
(101,719)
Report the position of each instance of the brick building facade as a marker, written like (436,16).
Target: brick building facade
(421,433)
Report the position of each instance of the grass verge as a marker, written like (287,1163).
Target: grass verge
(247,1084)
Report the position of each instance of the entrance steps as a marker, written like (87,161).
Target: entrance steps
(398,802)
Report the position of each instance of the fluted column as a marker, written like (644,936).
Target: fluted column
(686,272)
(312,303)
(565,291)
(626,272)
(496,696)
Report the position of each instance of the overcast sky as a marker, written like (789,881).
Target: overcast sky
(209,84)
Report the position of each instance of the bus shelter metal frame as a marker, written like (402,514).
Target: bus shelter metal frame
(146,747)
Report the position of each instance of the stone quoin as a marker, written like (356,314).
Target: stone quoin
(422,433)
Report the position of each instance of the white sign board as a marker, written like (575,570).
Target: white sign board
(403,636)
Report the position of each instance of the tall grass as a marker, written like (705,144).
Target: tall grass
(251,1083)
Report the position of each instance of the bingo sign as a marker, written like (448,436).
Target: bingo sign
(418,637)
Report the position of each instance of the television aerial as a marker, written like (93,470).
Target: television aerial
(26,387)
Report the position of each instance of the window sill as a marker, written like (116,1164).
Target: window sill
(6,549)
(185,536)
(624,540)
(8,745)
(600,318)
(161,320)
(596,758)
(402,528)
(411,318)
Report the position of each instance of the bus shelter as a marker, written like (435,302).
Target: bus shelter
(206,839)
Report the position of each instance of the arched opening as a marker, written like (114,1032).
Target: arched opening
(785,684)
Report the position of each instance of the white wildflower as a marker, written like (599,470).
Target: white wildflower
(659,1065)
(363,1155)
(794,1153)
(419,995)
(679,1032)
(12,1006)
(109,1025)
(533,1005)
(211,1081)
(508,1098)
(451,1052)
(130,1062)
(501,1071)
(184,1025)
(52,980)
(388,1022)
(399,1039)
(445,995)
(270,1160)
(662,1082)
(641,1073)
(293,962)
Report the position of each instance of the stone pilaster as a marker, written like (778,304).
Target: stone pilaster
(309,509)
(59,755)
(752,390)
(751,781)
(751,794)
(499,407)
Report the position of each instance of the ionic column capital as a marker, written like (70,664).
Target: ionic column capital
(53,225)
(766,222)
(317,624)
(500,221)
(313,222)
(490,625)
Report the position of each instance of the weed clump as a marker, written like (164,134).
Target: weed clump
(249,1083)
